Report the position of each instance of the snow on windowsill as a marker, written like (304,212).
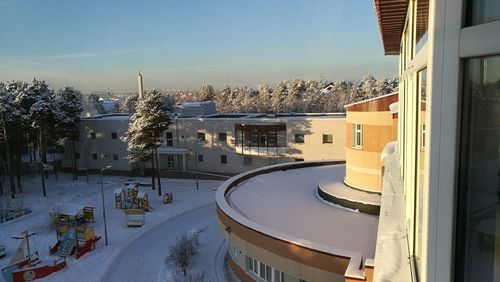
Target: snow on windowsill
(391,255)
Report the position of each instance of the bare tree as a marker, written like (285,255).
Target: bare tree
(181,254)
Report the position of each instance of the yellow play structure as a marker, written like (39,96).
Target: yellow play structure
(130,198)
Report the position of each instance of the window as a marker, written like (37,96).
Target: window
(223,159)
(77,156)
(170,161)
(357,140)
(201,136)
(92,135)
(94,156)
(299,138)
(299,160)
(200,158)
(169,139)
(222,137)
(478,210)
(253,265)
(327,138)
(482,11)
(247,161)
(114,135)
(115,157)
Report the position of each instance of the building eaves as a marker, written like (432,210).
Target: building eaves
(391,16)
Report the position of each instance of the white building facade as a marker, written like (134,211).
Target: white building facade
(224,144)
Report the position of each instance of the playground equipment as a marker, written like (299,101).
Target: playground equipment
(130,198)
(2,251)
(74,230)
(28,267)
(134,217)
(168,198)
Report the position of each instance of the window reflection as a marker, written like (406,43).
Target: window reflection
(482,11)
(478,242)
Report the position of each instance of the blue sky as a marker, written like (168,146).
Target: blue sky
(101,45)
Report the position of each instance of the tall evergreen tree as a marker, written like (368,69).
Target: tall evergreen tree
(149,122)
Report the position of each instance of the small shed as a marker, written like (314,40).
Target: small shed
(134,217)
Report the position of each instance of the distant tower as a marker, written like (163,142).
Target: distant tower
(139,85)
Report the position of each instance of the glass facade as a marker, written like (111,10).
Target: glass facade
(482,11)
(478,210)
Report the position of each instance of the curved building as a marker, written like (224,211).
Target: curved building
(370,125)
(278,229)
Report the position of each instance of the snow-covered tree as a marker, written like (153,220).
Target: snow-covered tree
(95,103)
(68,102)
(279,95)
(206,93)
(223,100)
(130,103)
(43,115)
(263,100)
(149,122)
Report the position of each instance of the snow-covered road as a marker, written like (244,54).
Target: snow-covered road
(144,258)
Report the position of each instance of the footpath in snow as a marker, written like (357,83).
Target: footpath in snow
(94,265)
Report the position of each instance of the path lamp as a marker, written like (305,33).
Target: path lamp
(196,162)
(103,206)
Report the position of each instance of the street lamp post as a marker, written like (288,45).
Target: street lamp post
(196,162)
(103,206)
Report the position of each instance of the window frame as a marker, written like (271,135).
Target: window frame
(201,136)
(357,140)
(222,139)
(169,140)
(225,157)
(327,141)
(298,140)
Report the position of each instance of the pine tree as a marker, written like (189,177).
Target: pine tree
(149,122)
(68,102)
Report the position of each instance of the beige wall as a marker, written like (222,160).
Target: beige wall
(291,259)
(363,165)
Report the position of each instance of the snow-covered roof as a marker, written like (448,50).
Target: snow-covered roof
(267,117)
(285,205)
(70,209)
(141,195)
(116,116)
(394,107)
(118,191)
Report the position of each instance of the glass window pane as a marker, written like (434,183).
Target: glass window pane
(478,212)
(482,11)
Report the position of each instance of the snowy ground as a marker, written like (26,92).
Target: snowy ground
(191,210)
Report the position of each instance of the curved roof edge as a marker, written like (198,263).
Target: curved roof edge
(356,258)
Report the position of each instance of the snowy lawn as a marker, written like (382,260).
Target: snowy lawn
(94,265)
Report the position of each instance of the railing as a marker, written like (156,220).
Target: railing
(260,151)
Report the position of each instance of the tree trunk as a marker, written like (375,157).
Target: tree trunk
(75,170)
(152,170)
(19,166)
(159,172)
(9,164)
(43,159)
